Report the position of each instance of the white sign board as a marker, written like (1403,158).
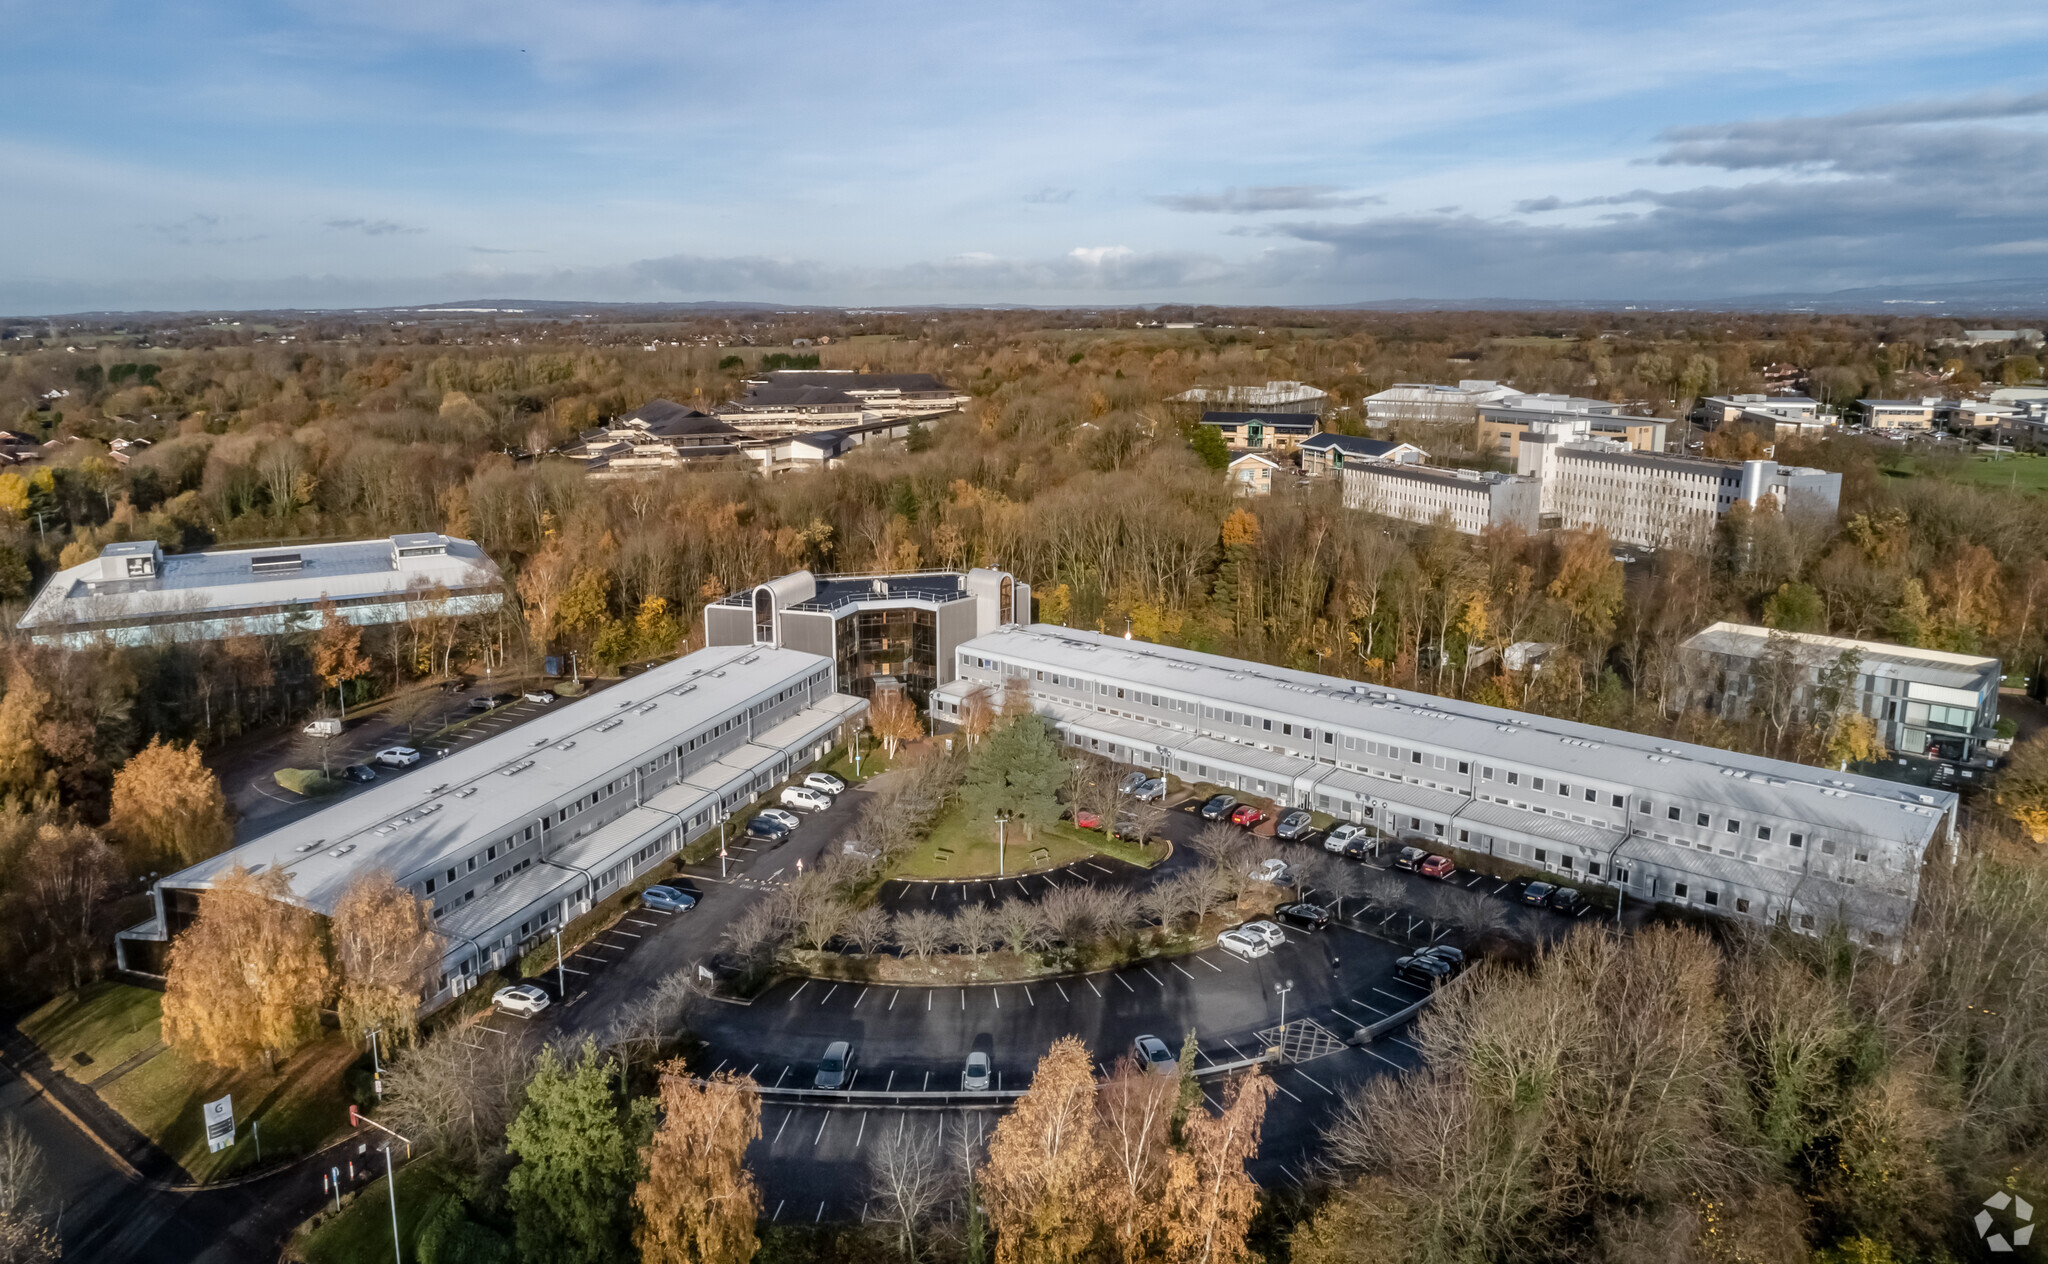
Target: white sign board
(220,1124)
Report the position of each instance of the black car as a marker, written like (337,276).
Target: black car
(1306,916)
(1218,807)
(359,772)
(454,685)
(1452,957)
(767,829)
(1409,858)
(1360,847)
(1567,901)
(1537,894)
(1427,971)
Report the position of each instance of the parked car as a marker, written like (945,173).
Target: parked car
(490,703)
(1453,957)
(825,781)
(1409,857)
(1152,1054)
(329,727)
(1306,916)
(767,829)
(398,757)
(1337,838)
(1246,815)
(1360,847)
(1438,867)
(1427,971)
(836,1067)
(1537,894)
(1085,819)
(1274,871)
(1294,825)
(1568,901)
(454,684)
(1218,807)
(1125,827)
(1267,931)
(1239,944)
(787,820)
(807,799)
(521,998)
(977,1076)
(667,899)
(1131,781)
(1149,789)
(359,772)
(542,696)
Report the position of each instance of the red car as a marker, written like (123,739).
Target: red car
(1088,820)
(1246,815)
(1436,867)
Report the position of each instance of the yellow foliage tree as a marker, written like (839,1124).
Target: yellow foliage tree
(1210,1200)
(168,806)
(1044,1163)
(1241,527)
(697,1201)
(24,773)
(338,650)
(894,719)
(387,950)
(249,976)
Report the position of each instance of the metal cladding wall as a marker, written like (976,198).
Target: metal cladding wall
(809,631)
(959,622)
(731,625)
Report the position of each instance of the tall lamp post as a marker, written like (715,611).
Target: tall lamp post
(1002,824)
(1283,989)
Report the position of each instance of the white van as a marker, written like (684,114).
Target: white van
(324,728)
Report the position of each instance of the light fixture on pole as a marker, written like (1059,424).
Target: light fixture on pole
(561,977)
(1002,823)
(1283,989)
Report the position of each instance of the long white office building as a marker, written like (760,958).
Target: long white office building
(1712,830)
(515,836)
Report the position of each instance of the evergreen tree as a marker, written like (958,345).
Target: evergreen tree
(579,1157)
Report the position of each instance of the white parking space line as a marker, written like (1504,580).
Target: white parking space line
(780,1078)
(1313,1080)
(1063,994)
(934,892)
(1476,878)
(627,933)
(1397,1066)
(1155,978)
(637,922)
(892,997)
(1362,1005)
(855,1080)
(963,998)
(858,999)
(1092,987)
(1097,868)
(493,1030)
(1502,887)
(998,995)
(1234,1049)
(828,1119)
(799,989)
(863,1130)
(778,1131)
(828,994)
(1406,1043)
(1283,1088)
(1404,1000)
(721,1065)
(1120,979)
(1212,965)
(1027,996)
(780,1202)
(927,1001)
(573,970)
(1176,965)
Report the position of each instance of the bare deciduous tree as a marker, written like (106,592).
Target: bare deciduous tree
(868,929)
(909,1178)
(922,933)
(458,1090)
(975,928)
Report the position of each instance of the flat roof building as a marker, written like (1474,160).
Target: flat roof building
(1433,404)
(1926,704)
(1901,414)
(1276,396)
(902,626)
(1266,431)
(514,836)
(134,593)
(808,399)
(1760,840)
(1502,425)
(1474,499)
(1659,501)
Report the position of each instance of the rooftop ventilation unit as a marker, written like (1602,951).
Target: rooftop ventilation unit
(610,724)
(519,767)
(275,563)
(343,850)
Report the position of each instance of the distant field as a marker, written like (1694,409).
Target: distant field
(2020,471)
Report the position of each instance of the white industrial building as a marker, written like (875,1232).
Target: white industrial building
(1926,704)
(1474,499)
(1273,397)
(1724,833)
(1655,500)
(136,594)
(515,836)
(1433,404)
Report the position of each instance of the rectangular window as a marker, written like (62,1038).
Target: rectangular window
(1678,889)
(1734,826)
(1329,738)
(1827,846)
(1741,905)
(1537,784)
(1592,796)
(1702,819)
(1713,897)
(1763,832)
(1464,836)
(1267,725)
(1671,813)
(1797,840)
(430,886)
(1514,778)
(1464,767)
(1414,757)
(1485,773)
(1541,855)
(1862,856)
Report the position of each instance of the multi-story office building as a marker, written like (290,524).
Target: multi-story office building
(1329,453)
(1659,501)
(520,833)
(824,399)
(136,594)
(1273,397)
(1756,839)
(1474,499)
(1901,414)
(1502,425)
(904,627)
(1263,432)
(1429,403)
(1927,704)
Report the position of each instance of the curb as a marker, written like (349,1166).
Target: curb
(128,1170)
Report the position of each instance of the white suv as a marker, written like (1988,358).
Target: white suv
(825,781)
(1336,838)
(398,757)
(1239,944)
(806,799)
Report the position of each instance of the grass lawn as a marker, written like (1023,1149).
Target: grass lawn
(107,1022)
(2023,471)
(298,1108)
(360,1233)
(973,848)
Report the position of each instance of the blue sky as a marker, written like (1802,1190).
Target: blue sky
(214,154)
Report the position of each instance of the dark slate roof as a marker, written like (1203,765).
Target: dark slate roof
(858,381)
(1305,421)
(1355,445)
(793,397)
(829,441)
(693,426)
(657,412)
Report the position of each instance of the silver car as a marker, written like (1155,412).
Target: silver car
(1153,1055)
(1336,838)
(977,1076)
